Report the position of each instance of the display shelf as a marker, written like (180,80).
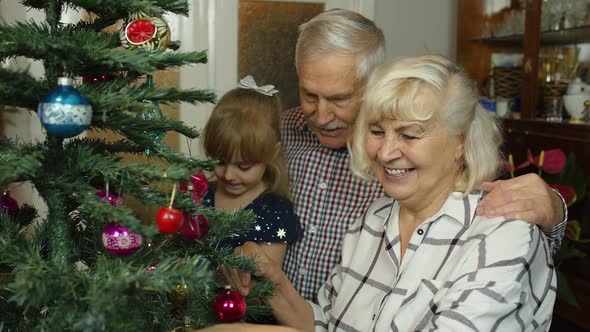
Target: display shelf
(562,37)
(558,130)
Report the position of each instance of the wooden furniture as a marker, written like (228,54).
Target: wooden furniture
(529,132)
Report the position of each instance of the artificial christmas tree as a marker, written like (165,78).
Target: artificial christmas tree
(91,264)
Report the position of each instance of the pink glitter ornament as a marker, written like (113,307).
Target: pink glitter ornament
(113,199)
(119,241)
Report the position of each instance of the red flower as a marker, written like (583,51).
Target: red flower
(553,161)
(567,192)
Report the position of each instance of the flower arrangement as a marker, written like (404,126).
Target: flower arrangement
(562,174)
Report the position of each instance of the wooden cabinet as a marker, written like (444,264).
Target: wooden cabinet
(473,54)
(530,132)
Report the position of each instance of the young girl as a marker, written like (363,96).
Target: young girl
(243,133)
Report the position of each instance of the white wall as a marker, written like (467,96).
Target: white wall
(415,27)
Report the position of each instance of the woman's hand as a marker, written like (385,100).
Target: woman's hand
(526,197)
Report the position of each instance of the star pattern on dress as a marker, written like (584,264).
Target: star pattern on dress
(276,221)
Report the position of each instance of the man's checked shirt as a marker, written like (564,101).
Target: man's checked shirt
(459,273)
(328,198)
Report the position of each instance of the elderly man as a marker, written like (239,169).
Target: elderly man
(336,51)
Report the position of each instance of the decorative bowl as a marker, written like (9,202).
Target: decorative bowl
(575,105)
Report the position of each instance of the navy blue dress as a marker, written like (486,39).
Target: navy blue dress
(276,221)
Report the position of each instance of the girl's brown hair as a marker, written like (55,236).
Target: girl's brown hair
(245,125)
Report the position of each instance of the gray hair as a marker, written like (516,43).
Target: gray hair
(341,31)
(391,92)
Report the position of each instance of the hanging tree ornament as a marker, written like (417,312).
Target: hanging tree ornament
(147,32)
(194,228)
(120,241)
(152,112)
(229,306)
(7,203)
(199,186)
(117,239)
(169,219)
(64,112)
(179,295)
(111,198)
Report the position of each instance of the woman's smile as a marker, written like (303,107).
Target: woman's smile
(398,172)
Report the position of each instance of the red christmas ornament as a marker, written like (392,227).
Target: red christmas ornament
(169,220)
(230,306)
(194,228)
(199,186)
(140,31)
(147,32)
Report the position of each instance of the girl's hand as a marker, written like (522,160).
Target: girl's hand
(238,280)
(268,267)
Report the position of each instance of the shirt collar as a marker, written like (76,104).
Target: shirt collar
(460,209)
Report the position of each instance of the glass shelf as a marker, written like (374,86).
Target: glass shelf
(576,35)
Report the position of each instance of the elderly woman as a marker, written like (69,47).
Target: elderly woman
(420,258)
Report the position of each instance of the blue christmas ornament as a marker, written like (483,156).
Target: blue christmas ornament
(64,112)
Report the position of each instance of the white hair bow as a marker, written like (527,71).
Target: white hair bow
(249,83)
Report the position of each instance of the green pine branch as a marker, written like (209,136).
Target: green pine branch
(179,158)
(65,46)
(147,62)
(19,89)
(158,95)
(139,130)
(150,7)
(75,50)
(109,96)
(19,162)
(119,146)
